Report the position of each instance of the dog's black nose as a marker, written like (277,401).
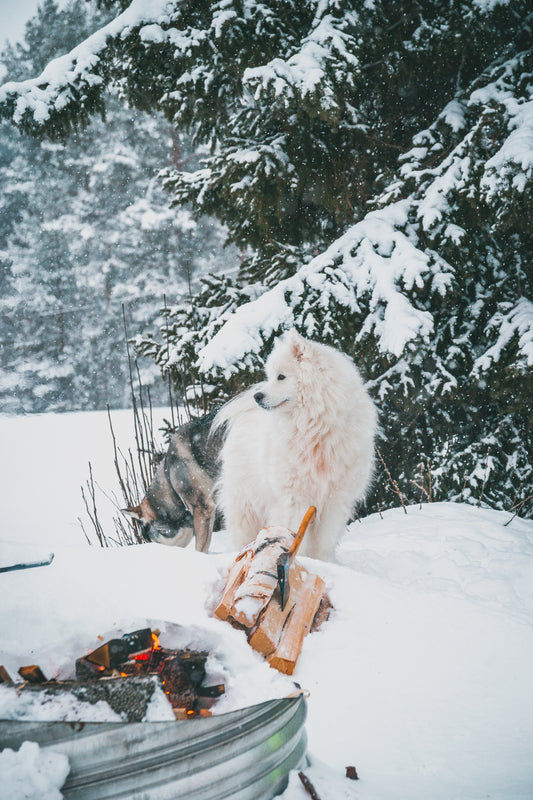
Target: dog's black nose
(259,397)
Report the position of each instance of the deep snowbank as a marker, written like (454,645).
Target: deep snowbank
(421,678)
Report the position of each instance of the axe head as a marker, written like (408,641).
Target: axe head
(283,578)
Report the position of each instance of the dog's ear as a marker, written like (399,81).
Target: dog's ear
(298,344)
(143,512)
(134,513)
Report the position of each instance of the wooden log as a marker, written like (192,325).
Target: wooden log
(266,636)
(249,590)
(250,599)
(236,576)
(5,676)
(322,615)
(298,625)
(257,589)
(32,674)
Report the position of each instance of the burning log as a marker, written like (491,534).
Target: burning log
(126,673)
(115,652)
(272,598)
(32,674)
(5,676)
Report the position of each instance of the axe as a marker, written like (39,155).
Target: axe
(285,559)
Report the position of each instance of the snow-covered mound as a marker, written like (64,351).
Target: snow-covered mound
(456,550)
(421,678)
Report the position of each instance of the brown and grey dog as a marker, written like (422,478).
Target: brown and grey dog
(179,501)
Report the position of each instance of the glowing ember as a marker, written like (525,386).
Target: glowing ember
(140,654)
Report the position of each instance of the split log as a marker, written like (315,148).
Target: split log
(265,636)
(250,586)
(298,625)
(261,579)
(251,599)
(237,573)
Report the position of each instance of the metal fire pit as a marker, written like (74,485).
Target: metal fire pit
(243,755)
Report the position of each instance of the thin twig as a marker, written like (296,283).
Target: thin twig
(393,483)
(421,487)
(92,510)
(519,506)
(172,420)
(132,392)
(83,528)
(115,454)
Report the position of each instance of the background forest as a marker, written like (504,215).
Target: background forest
(371,163)
(85,229)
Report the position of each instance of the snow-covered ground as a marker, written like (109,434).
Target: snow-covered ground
(422,677)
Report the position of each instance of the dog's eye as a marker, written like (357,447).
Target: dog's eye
(281,377)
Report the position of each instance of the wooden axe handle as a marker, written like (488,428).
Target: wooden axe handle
(308,518)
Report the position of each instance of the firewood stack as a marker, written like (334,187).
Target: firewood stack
(272,598)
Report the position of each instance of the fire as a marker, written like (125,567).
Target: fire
(140,654)
(146,655)
(142,657)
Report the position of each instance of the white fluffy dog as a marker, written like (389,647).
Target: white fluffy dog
(303,437)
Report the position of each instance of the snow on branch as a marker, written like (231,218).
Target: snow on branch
(511,166)
(380,266)
(518,321)
(305,72)
(375,260)
(72,78)
(492,160)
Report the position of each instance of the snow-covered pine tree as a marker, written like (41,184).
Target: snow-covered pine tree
(305,104)
(431,292)
(307,108)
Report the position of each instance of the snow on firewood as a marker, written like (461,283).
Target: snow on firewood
(261,579)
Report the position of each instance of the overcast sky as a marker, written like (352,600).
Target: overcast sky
(13,16)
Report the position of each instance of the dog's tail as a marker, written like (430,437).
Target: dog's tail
(239,404)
